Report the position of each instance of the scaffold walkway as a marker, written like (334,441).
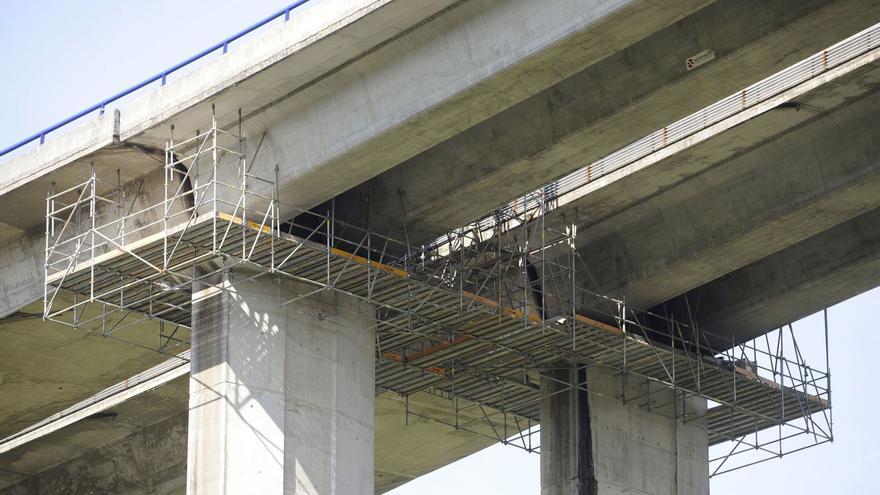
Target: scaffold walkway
(461,320)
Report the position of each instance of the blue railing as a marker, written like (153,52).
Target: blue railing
(100,106)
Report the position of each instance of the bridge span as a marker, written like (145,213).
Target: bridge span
(372,237)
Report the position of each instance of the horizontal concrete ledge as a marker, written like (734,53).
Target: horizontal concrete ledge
(103,400)
(301,38)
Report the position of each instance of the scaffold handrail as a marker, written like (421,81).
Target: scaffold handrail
(475,321)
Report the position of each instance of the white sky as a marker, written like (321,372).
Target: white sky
(60,56)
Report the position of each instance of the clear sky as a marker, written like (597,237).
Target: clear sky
(61,56)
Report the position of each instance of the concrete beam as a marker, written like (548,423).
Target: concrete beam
(430,83)
(136,447)
(127,433)
(288,54)
(595,111)
(48,367)
(728,206)
(352,88)
(149,461)
(795,282)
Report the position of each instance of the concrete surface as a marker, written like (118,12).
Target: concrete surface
(335,94)
(139,448)
(592,442)
(758,188)
(820,271)
(457,107)
(597,110)
(281,398)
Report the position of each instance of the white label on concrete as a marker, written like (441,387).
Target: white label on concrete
(699,59)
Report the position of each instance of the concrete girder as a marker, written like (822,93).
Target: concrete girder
(800,280)
(728,204)
(505,52)
(137,447)
(741,209)
(586,116)
(343,98)
(109,451)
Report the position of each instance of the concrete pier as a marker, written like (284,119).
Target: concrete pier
(612,436)
(281,396)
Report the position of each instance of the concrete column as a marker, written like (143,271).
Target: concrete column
(595,443)
(566,451)
(281,397)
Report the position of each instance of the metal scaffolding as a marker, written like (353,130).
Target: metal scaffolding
(474,319)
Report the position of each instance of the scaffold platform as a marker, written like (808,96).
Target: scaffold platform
(459,319)
(488,338)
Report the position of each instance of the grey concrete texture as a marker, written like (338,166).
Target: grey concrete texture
(821,271)
(783,252)
(150,443)
(47,367)
(138,447)
(641,447)
(752,191)
(605,106)
(281,397)
(144,463)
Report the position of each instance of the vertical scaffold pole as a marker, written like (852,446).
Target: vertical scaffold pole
(276,219)
(621,308)
(120,208)
(214,179)
(781,387)
(49,223)
(572,260)
(169,165)
(242,162)
(828,377)
(92,206)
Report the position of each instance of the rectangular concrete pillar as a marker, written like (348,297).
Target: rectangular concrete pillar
(281,396)
(595,443)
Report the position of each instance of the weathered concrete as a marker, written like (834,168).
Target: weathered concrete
(352,88)
(77,456)
(593,112)
(147,462)
(592,442)
(340,109)
(816,273)
(138,447)
(727,203)
(47,367)
(281,398)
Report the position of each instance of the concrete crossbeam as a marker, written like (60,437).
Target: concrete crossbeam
(631,93)
(343,100)
(739,206)
(795,282)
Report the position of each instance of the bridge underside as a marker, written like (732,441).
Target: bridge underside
(761,223)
